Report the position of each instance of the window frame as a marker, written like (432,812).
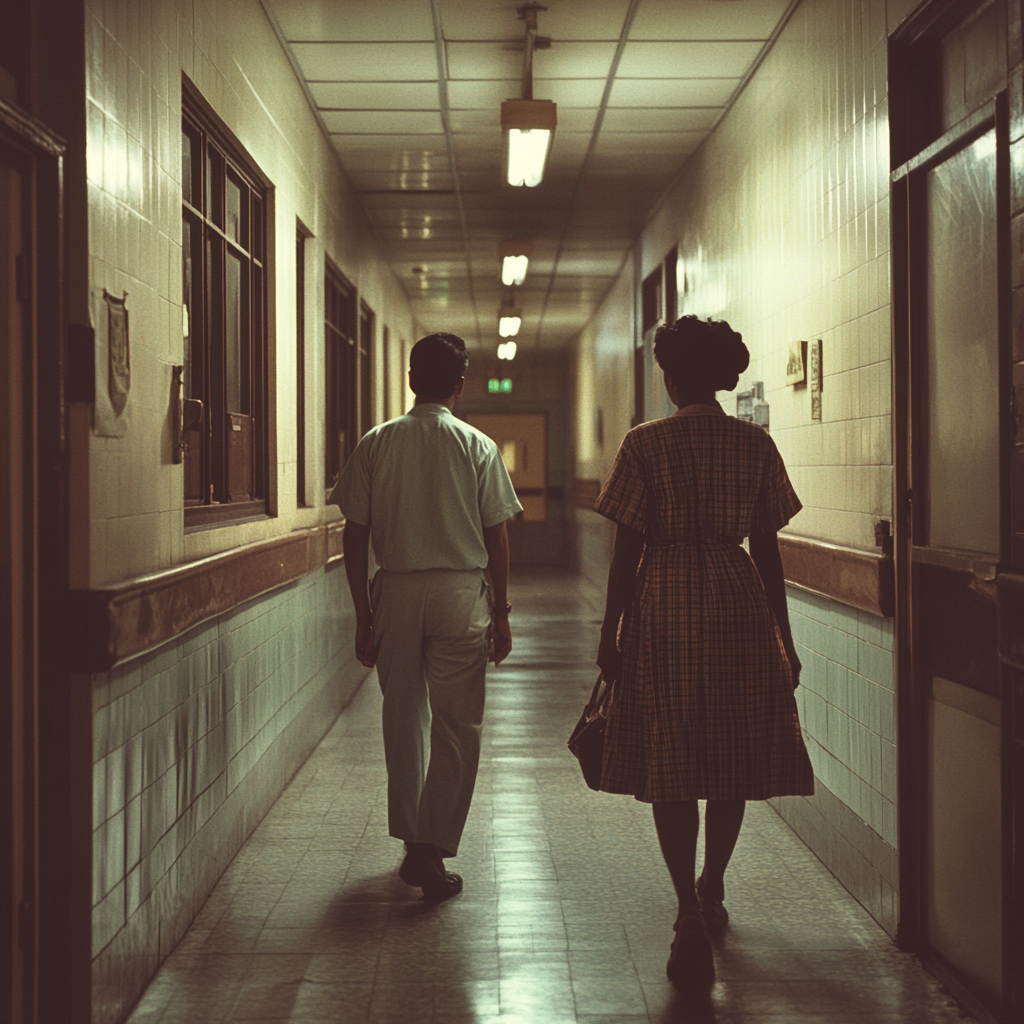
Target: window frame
(341,372)
(227,479)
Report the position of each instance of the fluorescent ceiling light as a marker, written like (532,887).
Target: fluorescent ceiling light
(528,126)
(513,270)
(507,350)
(527,155)
(510,320)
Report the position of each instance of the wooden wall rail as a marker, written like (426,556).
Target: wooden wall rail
(111,624)
(861,579)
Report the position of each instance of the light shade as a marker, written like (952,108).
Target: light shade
(509,322)
(507,350)
(513,270)
(528,126)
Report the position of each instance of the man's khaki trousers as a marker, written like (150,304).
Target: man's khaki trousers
(431,629)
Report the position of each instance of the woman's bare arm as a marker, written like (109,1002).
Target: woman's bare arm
(629,546)
(764,552)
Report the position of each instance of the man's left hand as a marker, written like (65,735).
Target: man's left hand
(364,644)
(501,639)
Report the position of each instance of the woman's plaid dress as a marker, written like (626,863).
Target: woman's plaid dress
(705,706)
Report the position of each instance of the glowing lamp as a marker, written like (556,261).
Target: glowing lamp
(528,127)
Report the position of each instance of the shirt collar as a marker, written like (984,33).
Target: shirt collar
(430,409)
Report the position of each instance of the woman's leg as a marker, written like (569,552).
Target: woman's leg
(691,962)
(722,821)
(678,824)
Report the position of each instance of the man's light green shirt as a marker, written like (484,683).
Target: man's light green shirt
(427,484)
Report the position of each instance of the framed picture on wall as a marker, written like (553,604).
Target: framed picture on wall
(796,363)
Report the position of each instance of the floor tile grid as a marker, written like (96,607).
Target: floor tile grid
(567,910)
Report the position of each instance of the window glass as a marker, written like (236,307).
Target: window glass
(963,350)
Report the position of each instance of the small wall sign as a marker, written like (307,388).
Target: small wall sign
(816,379)
(796,363)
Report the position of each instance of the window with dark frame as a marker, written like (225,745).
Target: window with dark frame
(367,322)
(223,323)
(300,367)
(341,363)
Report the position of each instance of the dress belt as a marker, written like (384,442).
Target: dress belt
(693,542)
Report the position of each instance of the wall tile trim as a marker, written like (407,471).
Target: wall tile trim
(112,624)
(860,579)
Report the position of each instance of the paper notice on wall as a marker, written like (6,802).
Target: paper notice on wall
(111,408)
(814,373)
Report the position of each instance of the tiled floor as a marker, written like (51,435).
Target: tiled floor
(567,911)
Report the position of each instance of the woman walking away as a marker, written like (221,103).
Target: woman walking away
(703,656)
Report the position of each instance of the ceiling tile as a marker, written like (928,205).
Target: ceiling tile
(672,92)
(625,162)
(471,19)
(489,93)
(707,19)
(687,59)
(412,200)
(606,263)
(383,122)
(505,61)
(641,143)
(354,19)
(392,152)
(416,185)
(376,95)
(367,62)
(670,119)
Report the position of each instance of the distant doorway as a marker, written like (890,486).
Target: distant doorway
(537,536)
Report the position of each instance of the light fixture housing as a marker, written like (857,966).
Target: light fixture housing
(528,127)
(507,350)
(515,257)
(510,320)
(513,270)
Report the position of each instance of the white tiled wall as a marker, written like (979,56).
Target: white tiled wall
(130,492)
(847,705)
(192,744)
(782,224)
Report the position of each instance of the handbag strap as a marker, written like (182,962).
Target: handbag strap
(606,697)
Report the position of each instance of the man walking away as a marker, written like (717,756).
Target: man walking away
(434,495)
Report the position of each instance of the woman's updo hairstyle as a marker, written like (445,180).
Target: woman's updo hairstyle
(701,355)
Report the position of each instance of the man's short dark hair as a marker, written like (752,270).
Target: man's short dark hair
(436,365)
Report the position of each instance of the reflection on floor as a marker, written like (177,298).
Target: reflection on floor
(567,911)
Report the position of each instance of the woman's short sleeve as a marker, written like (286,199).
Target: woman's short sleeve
(777,502)
(624,496)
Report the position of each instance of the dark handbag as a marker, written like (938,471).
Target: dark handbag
(587,739)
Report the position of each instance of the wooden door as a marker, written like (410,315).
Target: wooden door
(950,203)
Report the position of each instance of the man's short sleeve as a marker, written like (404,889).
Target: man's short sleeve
(352,492)
(497,496)
(623,499)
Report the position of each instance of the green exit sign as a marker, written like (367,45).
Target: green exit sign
(500,387)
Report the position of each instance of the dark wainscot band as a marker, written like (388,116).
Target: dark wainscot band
(109,625)
(860,579)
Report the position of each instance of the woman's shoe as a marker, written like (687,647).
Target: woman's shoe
(712,910)
(691,961)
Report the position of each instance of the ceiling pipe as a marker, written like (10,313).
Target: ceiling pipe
(528,12)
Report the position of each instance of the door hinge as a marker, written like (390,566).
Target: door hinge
(22,282)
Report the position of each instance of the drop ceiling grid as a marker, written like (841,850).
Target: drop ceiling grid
(371,68)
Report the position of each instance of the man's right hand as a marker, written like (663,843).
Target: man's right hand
(501,639)
(364,644)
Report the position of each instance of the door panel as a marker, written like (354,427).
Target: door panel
(962,357)
(955,471)
(964,857)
